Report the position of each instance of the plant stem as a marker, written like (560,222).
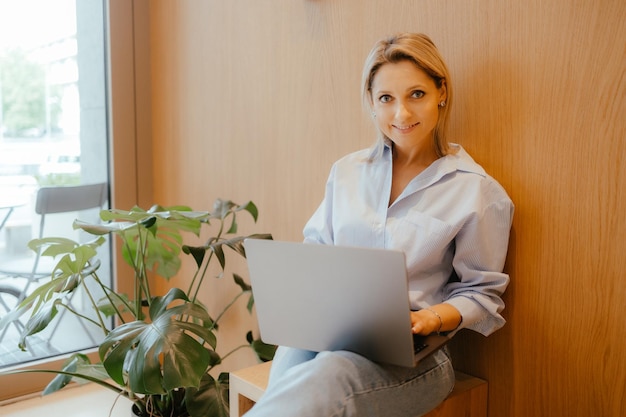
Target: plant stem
(144,273)
(217,319)
(140,267)
(233,351)
(82,316)
(199,285)
(93,303)
(107,293)
(95,380)
(135,266)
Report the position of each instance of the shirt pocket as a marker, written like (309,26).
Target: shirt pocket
(424,239)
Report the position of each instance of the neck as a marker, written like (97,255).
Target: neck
(414,156)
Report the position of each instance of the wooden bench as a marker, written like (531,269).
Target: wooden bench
(468,399)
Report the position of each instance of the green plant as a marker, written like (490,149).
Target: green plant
(163,350)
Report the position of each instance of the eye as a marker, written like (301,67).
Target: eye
(417,94)
(385,98)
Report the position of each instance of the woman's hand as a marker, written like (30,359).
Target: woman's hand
(438,318)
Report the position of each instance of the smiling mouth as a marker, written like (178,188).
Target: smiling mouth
(406,127)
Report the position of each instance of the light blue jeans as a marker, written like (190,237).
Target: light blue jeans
(334,384)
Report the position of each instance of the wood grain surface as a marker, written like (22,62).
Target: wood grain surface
(256,99)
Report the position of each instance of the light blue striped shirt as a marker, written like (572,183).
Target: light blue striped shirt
(452,221)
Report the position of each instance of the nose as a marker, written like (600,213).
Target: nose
(402,111)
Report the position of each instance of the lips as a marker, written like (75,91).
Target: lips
(405,128)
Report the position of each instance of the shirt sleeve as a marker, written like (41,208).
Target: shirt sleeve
(480,252)
(319,228)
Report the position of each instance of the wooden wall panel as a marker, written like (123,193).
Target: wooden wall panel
(256,99)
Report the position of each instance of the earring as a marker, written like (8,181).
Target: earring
(442,103)
(374,115)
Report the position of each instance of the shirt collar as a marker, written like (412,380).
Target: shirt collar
(457,160)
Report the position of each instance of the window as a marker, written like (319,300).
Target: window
(53,132)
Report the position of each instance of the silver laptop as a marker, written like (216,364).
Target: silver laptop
(322,297)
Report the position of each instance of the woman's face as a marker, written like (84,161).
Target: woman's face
(405,102)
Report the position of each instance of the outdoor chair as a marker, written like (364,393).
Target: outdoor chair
(19,276)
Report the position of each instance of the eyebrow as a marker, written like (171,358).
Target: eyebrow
(413,88)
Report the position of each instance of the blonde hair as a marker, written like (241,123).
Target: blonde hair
(419,49)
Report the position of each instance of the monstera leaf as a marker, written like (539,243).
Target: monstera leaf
(42,304)
(152,236)
(165,353)
(210,398)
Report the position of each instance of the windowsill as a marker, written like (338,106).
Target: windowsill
(89,400)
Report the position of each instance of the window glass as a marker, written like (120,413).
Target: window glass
(53,132)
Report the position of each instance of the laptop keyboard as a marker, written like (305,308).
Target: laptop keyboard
(418,343)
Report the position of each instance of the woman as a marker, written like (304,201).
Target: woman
(415,192)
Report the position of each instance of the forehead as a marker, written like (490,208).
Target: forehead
(400,74)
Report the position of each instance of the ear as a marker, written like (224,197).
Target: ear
(443,91)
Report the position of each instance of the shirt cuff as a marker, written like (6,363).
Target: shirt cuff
(474,316)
